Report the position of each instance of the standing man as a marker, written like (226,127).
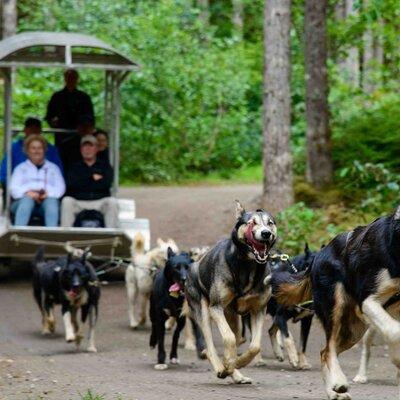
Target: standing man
(88,187)
(67,106)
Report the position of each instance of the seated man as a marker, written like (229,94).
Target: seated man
(88,187)
(36,185)
(32,126)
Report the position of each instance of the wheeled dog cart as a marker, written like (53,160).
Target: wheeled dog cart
(68,50)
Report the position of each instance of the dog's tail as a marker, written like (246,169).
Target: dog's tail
(39,257)
(291,289)
(138,244)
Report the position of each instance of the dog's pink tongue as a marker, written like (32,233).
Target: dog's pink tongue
(72,293)
(176,287)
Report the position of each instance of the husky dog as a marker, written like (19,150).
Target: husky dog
(139,276)
(230,280)
(167,300)
(351,280)
(72,283)
(302,313)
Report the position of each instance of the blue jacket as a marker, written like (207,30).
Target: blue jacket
(19,156)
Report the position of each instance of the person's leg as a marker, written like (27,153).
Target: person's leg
(69,209)
(23,211)
(109,208)
(51,210)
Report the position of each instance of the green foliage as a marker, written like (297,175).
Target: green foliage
(377,188)
(300,224)
(195,107)
(89,395)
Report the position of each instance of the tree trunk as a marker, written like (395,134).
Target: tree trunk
(277,156)
(373,59)
(237,17)
(9,17)
(319,160)
(204,8)
(349,66)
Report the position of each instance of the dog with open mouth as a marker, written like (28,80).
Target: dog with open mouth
(71,282)
(167,300)
(231,280)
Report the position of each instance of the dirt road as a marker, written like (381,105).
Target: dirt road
(35,367)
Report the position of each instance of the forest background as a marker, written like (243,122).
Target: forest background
(193,113)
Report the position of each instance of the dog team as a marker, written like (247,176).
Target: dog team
(352,285)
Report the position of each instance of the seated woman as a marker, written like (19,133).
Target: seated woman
(102,145)
(36,185)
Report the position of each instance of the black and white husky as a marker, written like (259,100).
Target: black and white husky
(231,280)
(72,283)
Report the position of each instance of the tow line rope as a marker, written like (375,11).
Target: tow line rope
(17,239)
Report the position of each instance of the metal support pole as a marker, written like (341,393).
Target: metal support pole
(116,128)
(7,73)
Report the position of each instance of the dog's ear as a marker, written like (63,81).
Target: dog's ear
(160,242)
(306,249)
(170,252)
(239,209)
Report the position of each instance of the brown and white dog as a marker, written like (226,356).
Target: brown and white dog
(140,274)
(352,281)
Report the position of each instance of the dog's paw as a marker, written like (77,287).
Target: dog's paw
(260,363)
(202,354)
(338,396)
(133,325)
(92,349)
(305,366)
(174,361)
(360,379)
(70,338)
(46,331)
(240,379)
(190,345)
(222,374)
(161,367)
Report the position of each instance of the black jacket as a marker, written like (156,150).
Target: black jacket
(82,186)
(68,107)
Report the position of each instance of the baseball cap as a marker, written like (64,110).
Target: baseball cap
(88,139)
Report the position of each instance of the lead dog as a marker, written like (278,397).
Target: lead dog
(351,280)
(140,273)
(231,280)
(71,282)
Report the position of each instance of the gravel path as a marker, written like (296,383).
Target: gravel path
(35,367)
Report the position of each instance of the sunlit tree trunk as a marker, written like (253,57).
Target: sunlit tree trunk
(277,156)
(373,59)
(319,160)
(9,17)
(237,17)
(349,65)
(204,7)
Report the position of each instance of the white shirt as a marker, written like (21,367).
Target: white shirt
(27,176)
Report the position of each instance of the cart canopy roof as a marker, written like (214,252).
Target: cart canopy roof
(61,49)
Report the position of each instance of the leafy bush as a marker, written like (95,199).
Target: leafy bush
(300,224)
(373,187)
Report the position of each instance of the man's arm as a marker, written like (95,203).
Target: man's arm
(107,177)
(51,113)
